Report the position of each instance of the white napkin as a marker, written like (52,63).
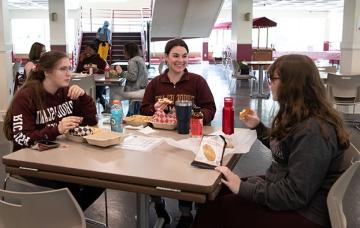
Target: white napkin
(147,130)
(134,127)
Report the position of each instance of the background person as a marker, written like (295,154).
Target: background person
(36,50)
(177,84)
(90,57)
(307,140)
(46,107)
(103,40)
(136,77)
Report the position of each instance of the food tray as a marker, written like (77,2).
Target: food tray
(137,120)
(105,139)
(135,123)
(164,126)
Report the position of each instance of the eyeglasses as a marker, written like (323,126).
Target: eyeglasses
(65,69)
(272,79)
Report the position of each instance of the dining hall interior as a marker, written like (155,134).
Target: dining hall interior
(232,44)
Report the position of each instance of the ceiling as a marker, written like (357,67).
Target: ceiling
(316,5)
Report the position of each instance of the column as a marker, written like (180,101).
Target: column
(350,44)
(6,74)
(241,30)
(57,19)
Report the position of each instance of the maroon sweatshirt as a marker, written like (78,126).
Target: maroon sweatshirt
(191,87)
(31,123)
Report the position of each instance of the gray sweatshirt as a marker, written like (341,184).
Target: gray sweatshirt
(305,165)
(136,74)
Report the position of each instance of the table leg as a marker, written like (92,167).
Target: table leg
(142,209)
(260,89)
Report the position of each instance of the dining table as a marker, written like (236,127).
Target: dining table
(163,170)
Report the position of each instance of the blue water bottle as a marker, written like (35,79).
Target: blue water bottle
(116,116)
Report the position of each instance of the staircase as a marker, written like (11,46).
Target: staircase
(119,39)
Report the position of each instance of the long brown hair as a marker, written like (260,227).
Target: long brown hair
(301,94)
(47,62)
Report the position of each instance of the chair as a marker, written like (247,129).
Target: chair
(344,199)
(16,81)
(118,93)
(161,66)
(86,83)
(236,75)
(344,90)
(328,69)
(54,208)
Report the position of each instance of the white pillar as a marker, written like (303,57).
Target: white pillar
(241,30)
(57,19)
(6,74)
(350,44)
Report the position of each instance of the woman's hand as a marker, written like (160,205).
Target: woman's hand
(230,179)
(160,105)
(68,123)
(75,92)
(251,120)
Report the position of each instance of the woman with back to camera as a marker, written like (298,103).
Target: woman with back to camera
(177,84)
(307,140)
(136,78)
(46,107)
(36,50)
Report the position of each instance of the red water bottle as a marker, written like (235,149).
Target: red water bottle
(228,116)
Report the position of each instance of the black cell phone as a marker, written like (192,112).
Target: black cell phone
(47,144)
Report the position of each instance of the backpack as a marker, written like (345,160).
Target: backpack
(101,36)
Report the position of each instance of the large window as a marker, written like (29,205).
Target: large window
(27,31)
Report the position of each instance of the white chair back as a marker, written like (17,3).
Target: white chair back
(343,199)
(343,86)
(55,208)
(86,83)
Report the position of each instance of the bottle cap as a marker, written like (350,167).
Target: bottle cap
(197,109)
(116,102)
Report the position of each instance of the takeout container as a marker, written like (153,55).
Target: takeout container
(74,138)
(105,139)
(164,126)
(135,123)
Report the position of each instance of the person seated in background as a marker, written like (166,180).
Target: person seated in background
(177,84)
(46,107)
(90,59)
(307,140)
(36,50)
(136,78)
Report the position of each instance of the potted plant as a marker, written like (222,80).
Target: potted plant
(243,68)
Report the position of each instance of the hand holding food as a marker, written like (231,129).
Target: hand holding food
(244,112)
(68,123)
(162,103)
(249,117)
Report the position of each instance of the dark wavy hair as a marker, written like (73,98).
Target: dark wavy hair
(174,43)
(131,49)
(301,94)
(47,62)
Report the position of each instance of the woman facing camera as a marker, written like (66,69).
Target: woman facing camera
(307,140)
(46,107)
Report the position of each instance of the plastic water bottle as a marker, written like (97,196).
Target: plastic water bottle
(116,116)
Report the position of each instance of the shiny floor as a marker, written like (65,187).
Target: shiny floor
(122,205)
